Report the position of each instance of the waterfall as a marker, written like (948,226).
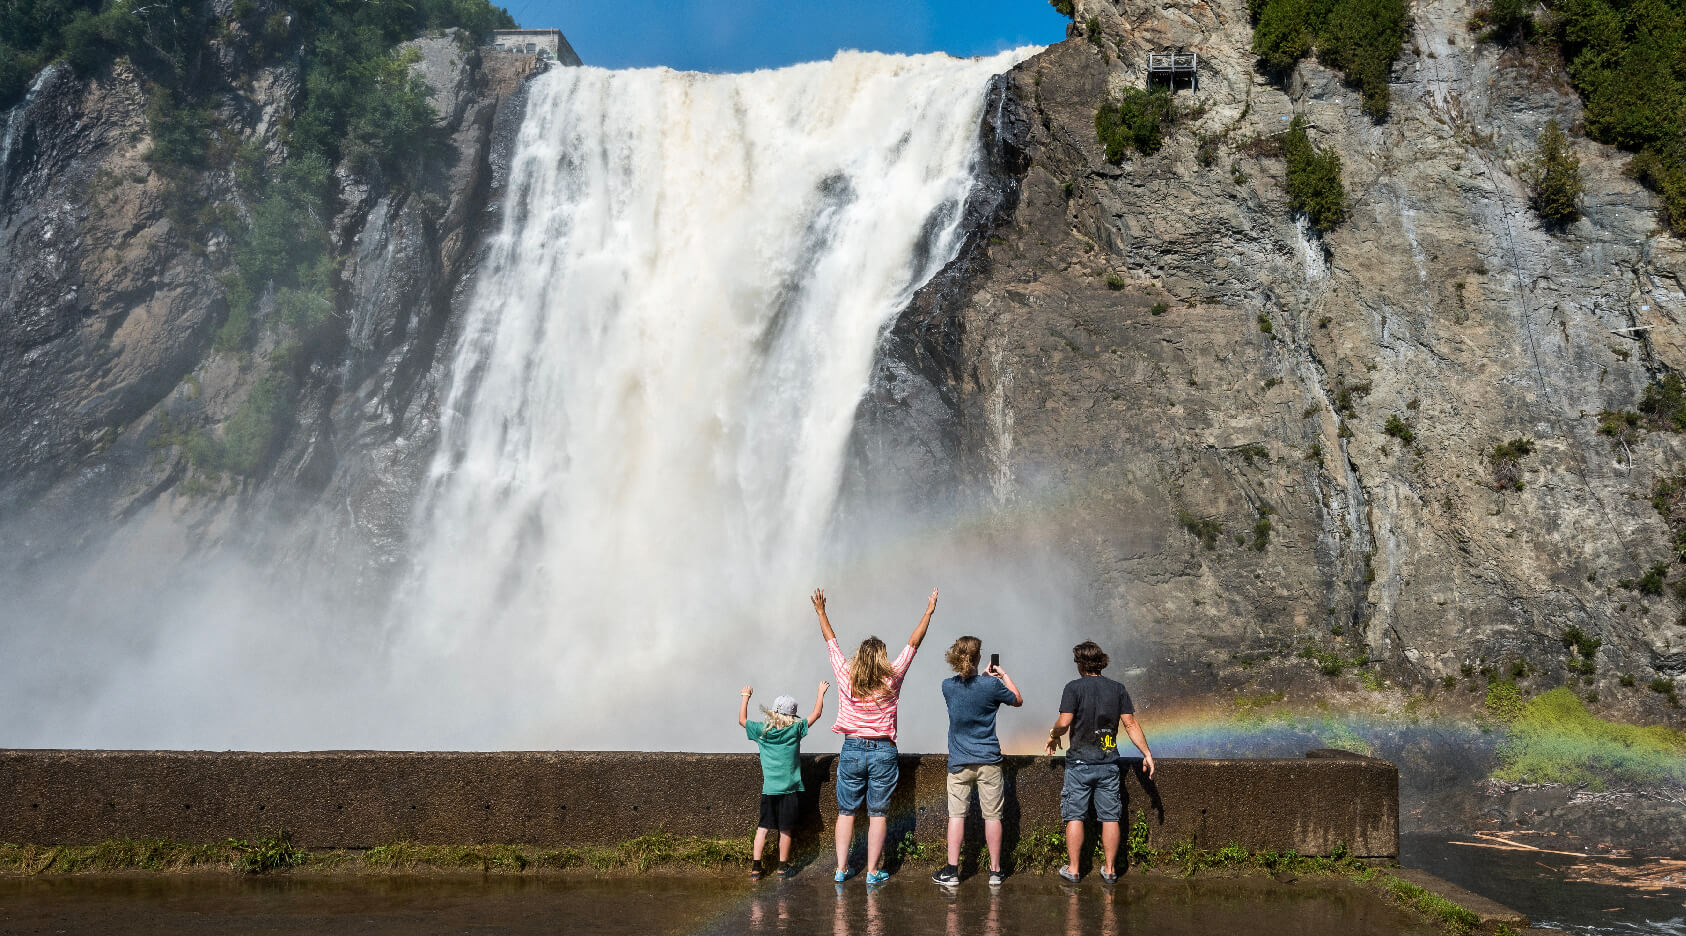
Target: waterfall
(657,377)
(14,118)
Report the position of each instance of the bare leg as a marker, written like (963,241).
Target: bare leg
(784,848)
(877,829)
(992,836)
(1074,843)
(1109,843)
(845,838)
(760,840)
(956,834)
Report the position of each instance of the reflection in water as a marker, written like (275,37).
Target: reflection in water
(694,906)
(769,915)
(959,918)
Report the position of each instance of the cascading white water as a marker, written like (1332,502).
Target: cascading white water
(657,379)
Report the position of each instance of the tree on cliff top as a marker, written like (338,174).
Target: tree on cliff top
(1360,38)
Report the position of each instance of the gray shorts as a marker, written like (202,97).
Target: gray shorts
(1086,783)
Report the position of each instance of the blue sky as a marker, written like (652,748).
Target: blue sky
(741,35)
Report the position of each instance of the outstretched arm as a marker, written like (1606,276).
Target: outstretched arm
(743,705)
(1055,732)
(1134,730)
(819,704)
(818,599)
(924,622)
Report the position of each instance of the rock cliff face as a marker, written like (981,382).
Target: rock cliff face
(110,302)
(1136,352)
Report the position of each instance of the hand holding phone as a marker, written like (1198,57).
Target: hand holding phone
(994,662)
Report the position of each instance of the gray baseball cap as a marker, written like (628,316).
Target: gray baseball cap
(785,705)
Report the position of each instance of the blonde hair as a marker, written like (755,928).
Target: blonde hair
(776,721)
(870,672)
(963,656)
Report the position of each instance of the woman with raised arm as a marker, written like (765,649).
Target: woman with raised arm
(868,688)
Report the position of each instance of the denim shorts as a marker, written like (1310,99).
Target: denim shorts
(867,769)
(1086,783)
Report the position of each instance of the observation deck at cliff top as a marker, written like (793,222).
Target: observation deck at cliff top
(1170,66)
(542,42)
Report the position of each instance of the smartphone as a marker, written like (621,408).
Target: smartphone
(994,660)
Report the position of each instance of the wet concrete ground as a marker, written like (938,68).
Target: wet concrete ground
(705,906)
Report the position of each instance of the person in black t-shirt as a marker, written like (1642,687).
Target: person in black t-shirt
(1093,708)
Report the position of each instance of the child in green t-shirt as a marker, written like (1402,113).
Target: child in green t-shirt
(780,739)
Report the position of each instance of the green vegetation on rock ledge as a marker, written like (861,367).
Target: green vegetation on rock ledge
(360,110)
(1360,38)
(1554,739)
(1136,120)
(1625,59)
(1314,179)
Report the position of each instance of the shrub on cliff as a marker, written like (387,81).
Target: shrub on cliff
(1506,22)
(1135,121)
(1360,38)
(1554,177)
(1314,179)
(1624,58)
(1064,8)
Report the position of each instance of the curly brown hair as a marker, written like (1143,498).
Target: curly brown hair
(963,656)
(1090,658)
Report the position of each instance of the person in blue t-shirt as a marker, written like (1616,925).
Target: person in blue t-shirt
(974,752)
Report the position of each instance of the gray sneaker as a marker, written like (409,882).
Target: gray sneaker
(946,877)
(995,878)
(1068,876)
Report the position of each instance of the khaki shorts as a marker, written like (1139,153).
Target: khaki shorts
(992,790)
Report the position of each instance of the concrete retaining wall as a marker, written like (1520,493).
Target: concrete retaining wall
(363,798)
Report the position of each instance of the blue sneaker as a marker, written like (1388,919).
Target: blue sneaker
(877,877)
(843,875)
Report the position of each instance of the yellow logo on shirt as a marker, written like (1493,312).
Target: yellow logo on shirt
(1109,743)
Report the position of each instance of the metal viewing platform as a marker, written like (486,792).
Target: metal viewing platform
(1170,66)
(548,43)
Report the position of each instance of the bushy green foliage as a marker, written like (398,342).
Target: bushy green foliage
(1506,462)
(1314,179)
(1135,121)
(1064,7)
(1361,38)
(1504,701)
(1580,642)
(1651,582)
(1399,429)
(1665,403)
(1206,529)
(1554,177)
(1625,59)
(270,853)
(1506,22)
(1554,739)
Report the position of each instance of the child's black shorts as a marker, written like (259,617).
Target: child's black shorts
(779,812)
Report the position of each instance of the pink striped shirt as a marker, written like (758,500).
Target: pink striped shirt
(867,718)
